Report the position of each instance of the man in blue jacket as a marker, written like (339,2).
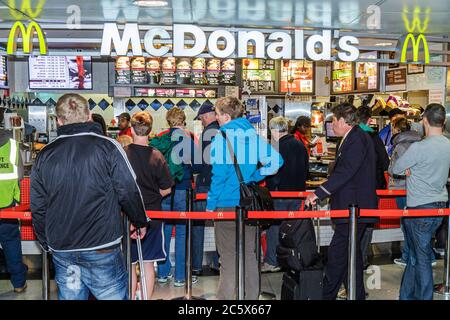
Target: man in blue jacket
(352,181)
(224,194)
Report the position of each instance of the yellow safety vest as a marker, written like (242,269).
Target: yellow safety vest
(9,176)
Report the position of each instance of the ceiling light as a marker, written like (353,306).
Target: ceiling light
(384,44)
(150,3)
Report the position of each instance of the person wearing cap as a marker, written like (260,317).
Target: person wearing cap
(124,125)
(386,133)
(207,115)
(300,130)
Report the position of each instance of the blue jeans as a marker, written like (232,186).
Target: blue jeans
(164,267)
(101,272)
(417,281)
(12,248)
(272,234)
(198,233)
(401,204)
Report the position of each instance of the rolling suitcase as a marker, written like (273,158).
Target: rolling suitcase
(302,285)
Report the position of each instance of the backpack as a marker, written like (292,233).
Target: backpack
(297,249)
(252,196)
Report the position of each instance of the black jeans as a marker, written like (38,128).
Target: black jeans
(337,266)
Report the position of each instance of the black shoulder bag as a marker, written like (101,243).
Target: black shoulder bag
(253,196)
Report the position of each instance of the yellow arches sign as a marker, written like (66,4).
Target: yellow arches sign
(18,29)
(414,28)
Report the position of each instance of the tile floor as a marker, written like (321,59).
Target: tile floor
(386,289)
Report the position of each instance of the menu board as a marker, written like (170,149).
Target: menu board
(259,74)
(396,79)
(138,74)
(3,72)
(228,75)
(60,72)
(123,70)
(184,71)
(173,92)
(198,71)
(366,73)
(169,71)
(342,74)
(153,68)
(297,76)
(213,71)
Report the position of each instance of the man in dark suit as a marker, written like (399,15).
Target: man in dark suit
(352,181)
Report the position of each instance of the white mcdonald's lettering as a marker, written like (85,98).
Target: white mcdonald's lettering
(182,214)
(405,212)
(220,214)
(276,45)
(328,213)
(441,212)
(291,214)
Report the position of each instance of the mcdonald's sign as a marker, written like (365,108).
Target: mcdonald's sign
(27,38)
(26,10)
(413,28)
(416,47)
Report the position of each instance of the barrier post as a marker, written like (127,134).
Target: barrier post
(240,255)
(444,288)
(128,256)
(144,295)
(352,236)
(188,261)
(263,295)
(45,276)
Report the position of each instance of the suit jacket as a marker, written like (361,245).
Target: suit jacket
(353,180)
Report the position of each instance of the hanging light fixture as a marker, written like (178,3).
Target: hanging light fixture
(151,3)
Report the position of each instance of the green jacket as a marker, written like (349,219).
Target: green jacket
(165,145)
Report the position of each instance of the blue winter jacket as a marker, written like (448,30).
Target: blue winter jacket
(256,158)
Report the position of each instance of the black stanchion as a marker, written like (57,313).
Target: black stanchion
(188,288)
(128,255)
(45,276)
(444,288)
(352,236)
(240,255)
(262,294)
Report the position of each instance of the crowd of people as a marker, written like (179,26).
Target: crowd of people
(84,182)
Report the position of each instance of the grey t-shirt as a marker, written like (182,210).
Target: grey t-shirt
(429,163)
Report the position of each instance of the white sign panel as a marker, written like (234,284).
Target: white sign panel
(276,45)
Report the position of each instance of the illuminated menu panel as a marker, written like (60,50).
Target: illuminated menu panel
(60,72)
(366,73)
(3,72)
(259,74)
(297,76)
(342,74)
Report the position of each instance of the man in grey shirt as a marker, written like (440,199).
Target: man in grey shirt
(426,165)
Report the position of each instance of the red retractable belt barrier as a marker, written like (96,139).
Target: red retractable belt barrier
(404,213)
(228,215)
(297,214)
(21,212)
(304,194)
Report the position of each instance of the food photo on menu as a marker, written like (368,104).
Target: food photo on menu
(123,70)
(168,71)
(153,68)
(80,72)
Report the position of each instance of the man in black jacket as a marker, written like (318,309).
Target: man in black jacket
(364,114)
(351,182)
(79,184)
(290,177)
(207,115)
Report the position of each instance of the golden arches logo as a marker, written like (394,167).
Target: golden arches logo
(26,10)
(415,27)
(27,38)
